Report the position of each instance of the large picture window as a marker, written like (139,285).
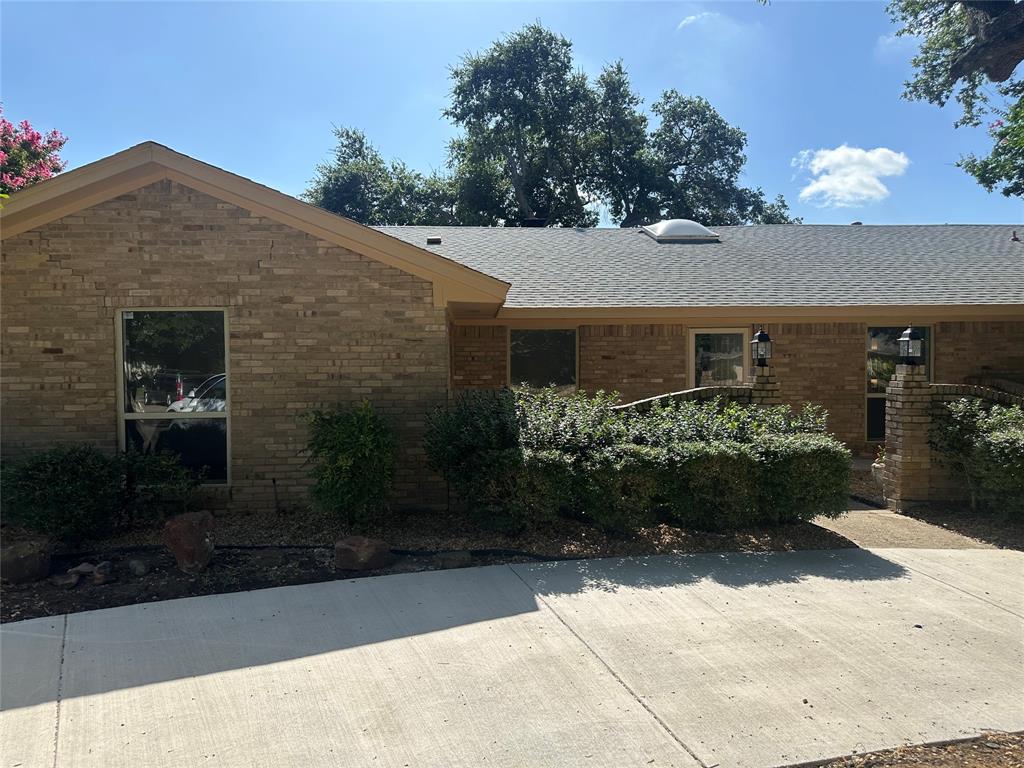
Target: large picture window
(542,358)
(882,358)
(173,386)
(719,357)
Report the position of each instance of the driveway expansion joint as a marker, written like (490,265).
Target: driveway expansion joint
(60,690)
(615,675)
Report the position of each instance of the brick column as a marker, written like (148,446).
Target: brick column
(766,387)
(908,417)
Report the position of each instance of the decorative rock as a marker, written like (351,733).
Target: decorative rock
(103,573)
(138,567)
(458,558)
(358,553)
(189,538)
(82,569)
(25,561)
(69,580)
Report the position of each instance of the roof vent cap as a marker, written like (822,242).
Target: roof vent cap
(433,241)
(680,231)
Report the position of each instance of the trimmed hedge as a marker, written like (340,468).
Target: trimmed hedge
(522,457)
(984,444)
(76,491)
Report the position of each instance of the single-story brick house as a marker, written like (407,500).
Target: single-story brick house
(152,299)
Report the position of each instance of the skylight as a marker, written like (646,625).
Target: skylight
(680,231)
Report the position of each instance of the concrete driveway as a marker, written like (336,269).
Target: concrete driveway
(701,660)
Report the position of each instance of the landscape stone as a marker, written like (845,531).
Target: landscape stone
(138,567)
(103,573)
(25,561)
(359,553)
(189,537)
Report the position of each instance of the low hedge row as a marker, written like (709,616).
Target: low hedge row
(72,492)
(520,457)
(984,444)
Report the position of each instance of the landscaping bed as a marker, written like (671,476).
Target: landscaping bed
(257,552)
(993,750)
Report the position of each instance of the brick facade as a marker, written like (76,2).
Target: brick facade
(479,356)
(638,361)
(965,350)
(311,324)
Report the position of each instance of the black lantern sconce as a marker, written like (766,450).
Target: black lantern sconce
(911,346)
(761,348)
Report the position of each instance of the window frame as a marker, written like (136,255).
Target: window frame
(882,395)
(508,352)
(123,417)
(691,350)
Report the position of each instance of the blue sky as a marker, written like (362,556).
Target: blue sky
(254,87)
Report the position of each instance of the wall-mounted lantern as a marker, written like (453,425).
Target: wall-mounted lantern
(911,346)
(761,348)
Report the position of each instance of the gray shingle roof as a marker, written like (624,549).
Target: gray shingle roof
(768,265)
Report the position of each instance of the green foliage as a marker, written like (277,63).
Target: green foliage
(539,140)
(359,184)
(524,457)
(352,449)
(76,491)
(984,444)
(1004,165)
(966,47)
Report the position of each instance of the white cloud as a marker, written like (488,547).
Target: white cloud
(846,176)
(695,18)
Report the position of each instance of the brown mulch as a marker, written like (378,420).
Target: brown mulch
(865,488)
(993,750)
(999,530)
(255,552)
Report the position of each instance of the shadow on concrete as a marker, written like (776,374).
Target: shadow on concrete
(138,645)
(730,569)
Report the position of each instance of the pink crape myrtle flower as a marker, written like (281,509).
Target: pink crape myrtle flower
(27,156)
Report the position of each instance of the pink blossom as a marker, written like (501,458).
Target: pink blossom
(26,155)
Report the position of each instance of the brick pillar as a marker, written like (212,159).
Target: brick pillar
(908,417)
(766,387)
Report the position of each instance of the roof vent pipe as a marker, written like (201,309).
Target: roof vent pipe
(534,221)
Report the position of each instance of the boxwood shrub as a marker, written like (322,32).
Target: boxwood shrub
(515,458)
(984,445)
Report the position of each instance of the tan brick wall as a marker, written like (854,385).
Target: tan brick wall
(479,356)
(637,361)
(824,363)
(969,349)
(311,324)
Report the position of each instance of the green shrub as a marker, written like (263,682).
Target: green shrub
(352,449)
(473,442)
(984,445)
(68,492)
(76,491)
(524,457)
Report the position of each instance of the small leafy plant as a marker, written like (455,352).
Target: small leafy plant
(984,445)
(352,450)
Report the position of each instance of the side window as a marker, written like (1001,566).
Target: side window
(718,357)
(174,387)
(543,357)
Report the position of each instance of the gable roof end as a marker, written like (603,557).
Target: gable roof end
(150,162)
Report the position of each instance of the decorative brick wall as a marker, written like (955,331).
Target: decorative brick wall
(638,361)
(906,478)
(479,356)
(311,324)
(913,472)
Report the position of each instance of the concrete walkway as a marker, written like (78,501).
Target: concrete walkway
(874,528)
(702,660)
